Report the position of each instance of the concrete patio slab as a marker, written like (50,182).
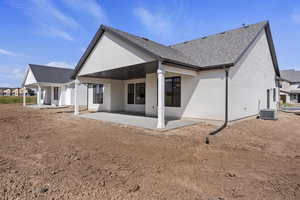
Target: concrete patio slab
(138,121)
(44,106)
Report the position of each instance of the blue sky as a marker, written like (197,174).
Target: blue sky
(56,32)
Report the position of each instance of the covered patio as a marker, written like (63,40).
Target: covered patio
(152,114)
(139,120)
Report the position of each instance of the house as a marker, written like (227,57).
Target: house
(229,75)
(290,86)
(15,91)
(18,91)
(53,85)
(7,92)
(2,91)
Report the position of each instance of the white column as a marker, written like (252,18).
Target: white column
(76,105)
(161,98)
(39,95)
(24,96)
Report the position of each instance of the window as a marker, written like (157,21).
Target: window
(42,94)
(173,92)
(55,93)
(274,94)
(130,99)
(140,93)
(136,93)
(97,94)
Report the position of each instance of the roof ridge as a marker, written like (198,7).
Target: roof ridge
(47,66)
(214,34)
(144,38)
(115,30)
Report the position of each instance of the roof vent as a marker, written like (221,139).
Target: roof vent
(145,38)
(245,26)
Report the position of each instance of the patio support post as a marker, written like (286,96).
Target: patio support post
(76,105)
(24,96)
(39,95)
(161,97)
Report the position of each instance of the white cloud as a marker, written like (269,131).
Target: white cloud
(6,52)
(46,10)
(92,7)
(11,76)
(59,64)
(10,53)
(51,31)
(157,23)
(48,19)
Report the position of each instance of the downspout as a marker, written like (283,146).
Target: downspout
(87,96)
(226,109)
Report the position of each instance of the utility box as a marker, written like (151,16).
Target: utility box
(268,114)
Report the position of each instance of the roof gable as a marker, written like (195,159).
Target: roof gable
(47,74)
(29,78)
(109,53)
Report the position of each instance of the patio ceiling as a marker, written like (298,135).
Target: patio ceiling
(128,72)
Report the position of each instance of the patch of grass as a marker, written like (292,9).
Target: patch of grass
(288,105)
(14,99)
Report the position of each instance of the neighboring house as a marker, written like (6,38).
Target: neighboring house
(7,92)
(2,91)
(290,86)
(15,91)
(18,91)
(187,80)
(53,85)
(12,91)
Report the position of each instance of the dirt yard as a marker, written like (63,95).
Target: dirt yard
(50,154)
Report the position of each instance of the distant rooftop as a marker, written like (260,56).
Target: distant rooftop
(290,75)
(48,74)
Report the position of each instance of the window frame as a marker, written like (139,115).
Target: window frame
(55,93)
(136,101)
(98,98)
(134,92)
(131,94)
(173,91)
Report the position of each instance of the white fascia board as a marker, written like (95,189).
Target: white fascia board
(178,70)
(54,84)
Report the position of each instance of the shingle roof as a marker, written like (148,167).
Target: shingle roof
(290,75)
(219,49)
(158,50)
(225,47)
(47,74)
